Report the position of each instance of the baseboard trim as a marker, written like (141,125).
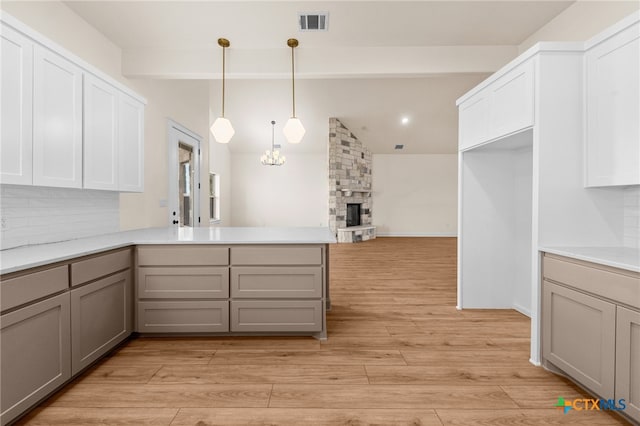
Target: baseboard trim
(522,310)
(416,234)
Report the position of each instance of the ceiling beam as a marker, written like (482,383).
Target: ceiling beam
(336,62)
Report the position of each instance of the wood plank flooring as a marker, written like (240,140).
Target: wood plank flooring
(398,352)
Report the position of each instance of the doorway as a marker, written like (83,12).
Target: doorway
(184,176)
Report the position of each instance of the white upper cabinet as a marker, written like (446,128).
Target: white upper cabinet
(17,84)
(100,134)
(502,107)
(511,101)
(613,108)
(57,120)
(131,144)
(65,123)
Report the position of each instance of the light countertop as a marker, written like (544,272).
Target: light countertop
(617,257)
(21,258)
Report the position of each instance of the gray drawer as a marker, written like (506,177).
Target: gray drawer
(618,285)
(188,282)
(276,255)
(27,288)
(183,316)
(276,282)
(187,255)
(276,315)
(96,267)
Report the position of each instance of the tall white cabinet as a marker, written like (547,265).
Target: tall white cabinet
(522,161)
(65,123)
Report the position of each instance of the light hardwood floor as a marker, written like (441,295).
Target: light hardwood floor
(398,352)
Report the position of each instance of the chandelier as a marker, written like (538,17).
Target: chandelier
(273,157)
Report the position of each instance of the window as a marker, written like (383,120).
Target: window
(214,197)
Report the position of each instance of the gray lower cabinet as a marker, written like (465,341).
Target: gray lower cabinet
(101,315)
(35,350)
(205,316)
(276,315)
(628,360)
(579,337)
(591,327)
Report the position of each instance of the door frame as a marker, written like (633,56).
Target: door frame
(177,133)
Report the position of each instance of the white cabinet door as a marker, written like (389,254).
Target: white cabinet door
(131,144)
(511,101)
(613,110)
(100,134)
(474,121)
(57,121)
(17,85)
(503,107)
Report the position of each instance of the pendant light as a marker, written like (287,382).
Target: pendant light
(273,157)
(293,130)
(222,129)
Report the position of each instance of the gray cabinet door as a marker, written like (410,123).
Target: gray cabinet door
(628,360)
(35,352)
(191,316)
(276,315)
(100,318)
(579,333)
(185,282)
(276,282)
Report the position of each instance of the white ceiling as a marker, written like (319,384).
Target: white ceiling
(357,71)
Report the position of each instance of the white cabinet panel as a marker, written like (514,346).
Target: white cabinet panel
(57,121)
(17,85)
(131,144)
(613,110)
(100,134)
(503,107)
(474,121)
(511,102)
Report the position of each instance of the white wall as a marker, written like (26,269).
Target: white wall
(295,194)
(186,102)
(415,194)
(581,21)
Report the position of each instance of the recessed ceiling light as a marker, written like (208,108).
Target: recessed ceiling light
(405,120)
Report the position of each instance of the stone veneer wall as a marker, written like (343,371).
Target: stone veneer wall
(349,168)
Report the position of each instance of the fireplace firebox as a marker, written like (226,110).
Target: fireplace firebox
(353,215)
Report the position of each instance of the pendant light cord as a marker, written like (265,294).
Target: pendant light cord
(223,67)
(293,83)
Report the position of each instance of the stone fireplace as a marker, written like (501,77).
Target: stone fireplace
(349,185)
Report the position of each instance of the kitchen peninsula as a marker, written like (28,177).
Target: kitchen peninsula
(68,304)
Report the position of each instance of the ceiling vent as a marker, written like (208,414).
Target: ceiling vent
(313,21)
(399,147)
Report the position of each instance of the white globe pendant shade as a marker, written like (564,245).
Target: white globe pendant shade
(294,130)
(222,130)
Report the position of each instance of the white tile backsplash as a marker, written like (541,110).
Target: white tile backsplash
(37,215)
(632,217)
